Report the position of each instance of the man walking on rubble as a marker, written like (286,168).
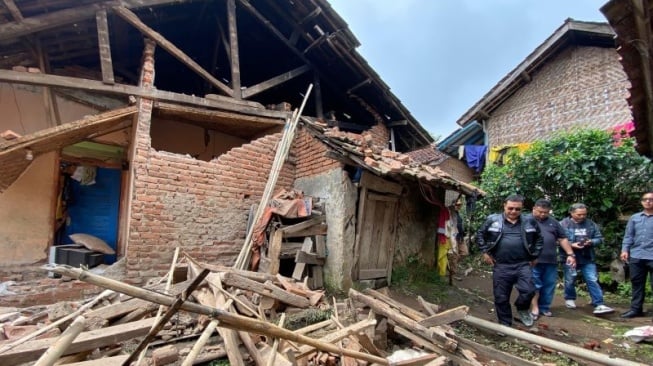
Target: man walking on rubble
(511,242)
(583,235)
(637,251)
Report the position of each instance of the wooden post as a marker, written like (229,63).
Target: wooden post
(233,46)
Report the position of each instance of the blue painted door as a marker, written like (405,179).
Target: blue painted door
(93,209)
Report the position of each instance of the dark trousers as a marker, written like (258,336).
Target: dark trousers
(504,278)
(639,268)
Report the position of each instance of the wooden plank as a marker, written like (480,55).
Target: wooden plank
(32,350)
(226,319)
(274,251)
(384,198)
(320,246)
(132,19)
(374,183)
(421,360)
(104,45)
(229,104)
(107,361)
(362,198)
(386,250)
(308,258)
(290,229)
(445,317)
(298,272)
(320,230)
(367,233)
(317,272)
(84,123)
(229,336)
(233,47)
(400,308)
(268,290)
(368,274)
(279,79)
(337,335)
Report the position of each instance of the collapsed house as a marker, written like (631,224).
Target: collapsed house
(154,124)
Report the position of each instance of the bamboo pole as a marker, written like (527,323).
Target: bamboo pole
(197,347)
(550,343)
(275,344)
(171,273)
(277,165)
(226,319)
(62,343)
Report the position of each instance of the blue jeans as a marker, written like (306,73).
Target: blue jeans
(545,276)
(591,279)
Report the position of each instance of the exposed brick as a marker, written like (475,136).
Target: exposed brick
(581,87)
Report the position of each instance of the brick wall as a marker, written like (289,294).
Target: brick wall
(310,155)
(200,206)
(380,135)
(581,87)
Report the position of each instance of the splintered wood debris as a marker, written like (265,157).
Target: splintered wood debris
(245,317)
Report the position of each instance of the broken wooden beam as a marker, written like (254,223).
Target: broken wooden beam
(226,319)
(380,307)
(32,350)
(267,289)
(446,317)
(159,323)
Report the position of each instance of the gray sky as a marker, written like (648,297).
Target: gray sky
(439,57)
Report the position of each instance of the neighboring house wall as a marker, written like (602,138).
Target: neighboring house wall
(582,87)
(26,208)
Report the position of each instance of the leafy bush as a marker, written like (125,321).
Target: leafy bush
(582,166)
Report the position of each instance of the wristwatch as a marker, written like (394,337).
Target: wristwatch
(571,255)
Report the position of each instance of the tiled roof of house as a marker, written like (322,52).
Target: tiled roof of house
(359,150)
(429,155)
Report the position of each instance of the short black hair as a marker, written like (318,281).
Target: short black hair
(514,198)
(544,203)
(577,206)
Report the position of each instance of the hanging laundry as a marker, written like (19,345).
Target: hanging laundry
(461,152)
(475,155)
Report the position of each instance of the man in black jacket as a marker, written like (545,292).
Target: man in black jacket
(511,242)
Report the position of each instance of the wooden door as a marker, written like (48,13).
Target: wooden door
(375,235)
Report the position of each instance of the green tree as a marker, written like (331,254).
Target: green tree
(582,166)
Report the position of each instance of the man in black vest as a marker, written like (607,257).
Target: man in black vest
(511,243)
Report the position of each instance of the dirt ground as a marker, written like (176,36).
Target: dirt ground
(578,327)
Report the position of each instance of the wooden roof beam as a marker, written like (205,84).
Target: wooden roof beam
(217,102)
(29,25)
(255,89)
(13,9)
(106,63)
(132,19)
